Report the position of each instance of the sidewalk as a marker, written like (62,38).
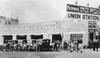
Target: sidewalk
(83,51)
(90,51)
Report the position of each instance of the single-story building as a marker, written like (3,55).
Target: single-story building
(55,30)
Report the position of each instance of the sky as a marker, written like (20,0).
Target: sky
(34,11)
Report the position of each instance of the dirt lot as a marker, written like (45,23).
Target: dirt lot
(48,55)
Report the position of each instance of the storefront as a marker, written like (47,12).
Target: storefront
(79,25)
(59,30)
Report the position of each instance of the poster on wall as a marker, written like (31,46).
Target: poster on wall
(91,26)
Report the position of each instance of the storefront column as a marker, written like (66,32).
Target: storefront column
(66,36)
(50,37)
(1,40)
(28,37)
(14,37)
(45,36)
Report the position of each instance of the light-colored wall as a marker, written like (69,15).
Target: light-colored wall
(65,28)
(1,39)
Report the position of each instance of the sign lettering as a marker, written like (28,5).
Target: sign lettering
(82,16)
(82,12)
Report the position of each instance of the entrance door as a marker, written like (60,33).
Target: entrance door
(56,37)
(91,36)
(7,37)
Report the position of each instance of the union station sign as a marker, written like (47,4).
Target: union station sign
(82,12)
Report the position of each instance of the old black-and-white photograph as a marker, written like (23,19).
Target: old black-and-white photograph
(49,28)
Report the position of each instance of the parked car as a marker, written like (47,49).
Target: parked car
(45,46)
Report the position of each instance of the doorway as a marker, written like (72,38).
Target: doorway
(91,36)
(56,37)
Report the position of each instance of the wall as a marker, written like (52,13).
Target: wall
(65,28)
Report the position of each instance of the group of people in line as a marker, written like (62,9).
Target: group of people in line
(17,47)
(55,46)
(66,46)
(71,46)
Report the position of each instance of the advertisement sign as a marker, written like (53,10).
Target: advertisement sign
(82,12)
(91,26)
(91,30)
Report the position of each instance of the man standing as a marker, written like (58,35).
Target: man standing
(55,46)
(65,45)
(95,44)
(77,44)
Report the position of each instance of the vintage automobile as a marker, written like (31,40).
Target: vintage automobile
(45,46)
(1,47)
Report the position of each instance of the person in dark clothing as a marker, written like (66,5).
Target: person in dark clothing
(90,44)
(55,46)
(95,44)
(65,45)
(77,45)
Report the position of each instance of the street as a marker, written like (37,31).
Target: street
(64,54)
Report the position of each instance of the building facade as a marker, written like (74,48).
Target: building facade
(80,24)
(59,30)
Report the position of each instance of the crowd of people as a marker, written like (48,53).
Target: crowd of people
(17,47)
(72,46)
(42,46)
(94,44)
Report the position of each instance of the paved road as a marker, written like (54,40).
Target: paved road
(49,55)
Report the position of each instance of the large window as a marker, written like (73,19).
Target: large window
(76,37)
(21,37)
(7,38)
(36,36)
